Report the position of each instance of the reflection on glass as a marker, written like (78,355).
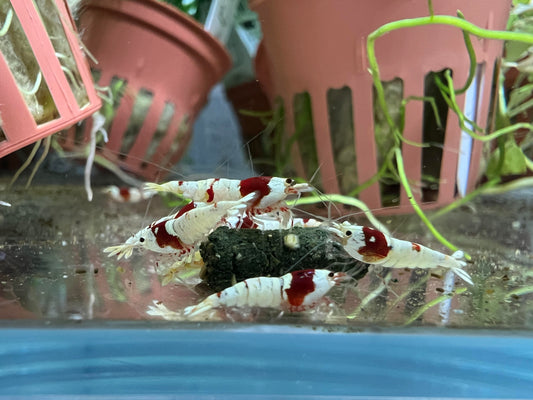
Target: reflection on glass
(52,266)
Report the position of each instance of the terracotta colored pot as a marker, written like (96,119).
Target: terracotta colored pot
(168,63)
(320,50)
(46,85)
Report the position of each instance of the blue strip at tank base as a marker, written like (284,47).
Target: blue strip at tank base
(299,363)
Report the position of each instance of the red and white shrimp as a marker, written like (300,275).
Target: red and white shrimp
(181,233)
(267,222)
(374,247)
(295,291)
(128,194)
(272,191)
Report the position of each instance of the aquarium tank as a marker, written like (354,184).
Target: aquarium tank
(232,205)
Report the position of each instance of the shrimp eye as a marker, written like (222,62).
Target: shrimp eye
(141,240)
(348,233)
(331,274)
(289,181)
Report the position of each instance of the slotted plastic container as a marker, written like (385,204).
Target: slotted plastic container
(314,58)
(167,64)
(45,84)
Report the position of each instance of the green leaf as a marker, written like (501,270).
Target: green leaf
(513,164)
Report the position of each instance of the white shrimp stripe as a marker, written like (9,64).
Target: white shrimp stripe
(267,292)
(188,230)
(401,253)
(404,254)
(269,221)
(197,223)
(254,292)
(222,189)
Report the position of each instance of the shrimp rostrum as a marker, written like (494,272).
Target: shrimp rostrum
(375,247)
(295,291)
(182,232)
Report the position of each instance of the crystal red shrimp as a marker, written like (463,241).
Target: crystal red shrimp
(182,232)
(295,291)
(128,194)
(374,247)
(272,191)
(265,222)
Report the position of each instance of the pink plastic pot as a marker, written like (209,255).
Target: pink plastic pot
(320,49)
(45,83)
(168,63)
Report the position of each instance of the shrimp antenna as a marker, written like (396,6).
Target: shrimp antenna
(314,174)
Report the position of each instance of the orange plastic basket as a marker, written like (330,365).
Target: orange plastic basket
(45,84)
(319,51)
(167,63)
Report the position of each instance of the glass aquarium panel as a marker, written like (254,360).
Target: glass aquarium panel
(53,267)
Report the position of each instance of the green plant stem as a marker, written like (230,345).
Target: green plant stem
(501,159)
(46,149)
(462,119)
(457,22)
(112,167)
(513,185)
(416,207)
(257,114)
(430,8)
(529,163)
(433,303)
(447,92)
(403,295)
(376,177)
(35,88)
(520,109)
(349,201)
(433,104)
(471,56)
(7,22)
(451,21)
(26,163)
(371,296)
(519,292)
